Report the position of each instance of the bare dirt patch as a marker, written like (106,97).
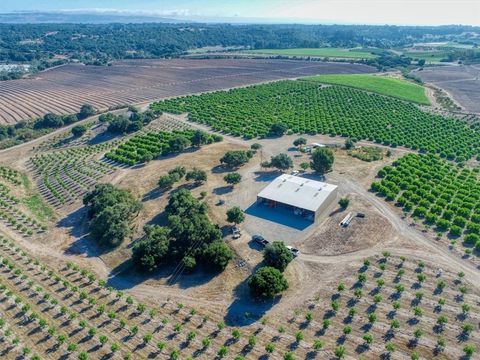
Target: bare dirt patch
(362,233)
(462,82)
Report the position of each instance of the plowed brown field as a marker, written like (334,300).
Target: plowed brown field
(63,90)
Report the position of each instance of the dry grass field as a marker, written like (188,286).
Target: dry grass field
(65,89)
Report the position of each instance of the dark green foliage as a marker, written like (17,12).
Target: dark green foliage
(189,237)
(235,215)
(267,282)
(200,138)
(195,229)
(154,143)
(306,107)
(182,203)
(109,227)
(189,263)
(134,121)
(86,111)
(197,175)
(217,255)
(110,211)
(51,121)
(442,194)
(100,43)
(278,129)
(119,124)
(167,181)
(178,143)
(151,251)
(178,170)
(79,130)
(349,144)
(236,158)
(299,141)
(281,162)
(174,175)
(277,255)
(344,202)
(322,160)
(232,178)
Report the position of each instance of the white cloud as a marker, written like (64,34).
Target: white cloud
(173,12)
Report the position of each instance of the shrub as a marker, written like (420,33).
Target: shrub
(281,162)
(267,282)
(79,130)
(236,158)
(110,210)
(197,175)
(322,160)
(278,129)
(232,178)
(235,215)
(344,202)
(277,255)
(300,141)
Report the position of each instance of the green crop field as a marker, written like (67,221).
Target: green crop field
(319,52)
(147,146)
(383,85)
(428,56)
(308,107)
(445,196)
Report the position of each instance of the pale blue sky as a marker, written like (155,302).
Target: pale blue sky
(323,11)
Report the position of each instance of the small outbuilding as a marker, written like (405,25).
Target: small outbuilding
(304,197)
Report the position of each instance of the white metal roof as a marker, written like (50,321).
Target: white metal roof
(297,191)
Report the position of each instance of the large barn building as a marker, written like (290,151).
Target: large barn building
(305,197)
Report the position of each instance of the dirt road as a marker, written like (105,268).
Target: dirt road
(430,251)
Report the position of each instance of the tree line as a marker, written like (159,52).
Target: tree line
(101,43)
(23,131)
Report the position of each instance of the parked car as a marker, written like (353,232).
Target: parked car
(295,252)
(295,172)
(236,232)
(259,239)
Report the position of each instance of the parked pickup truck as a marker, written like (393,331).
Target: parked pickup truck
(259,239)
(295,252)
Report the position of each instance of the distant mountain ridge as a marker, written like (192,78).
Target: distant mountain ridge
(34,17)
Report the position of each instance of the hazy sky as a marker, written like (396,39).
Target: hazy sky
(325,11)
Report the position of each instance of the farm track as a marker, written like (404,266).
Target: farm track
(402,227)
(64,89)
